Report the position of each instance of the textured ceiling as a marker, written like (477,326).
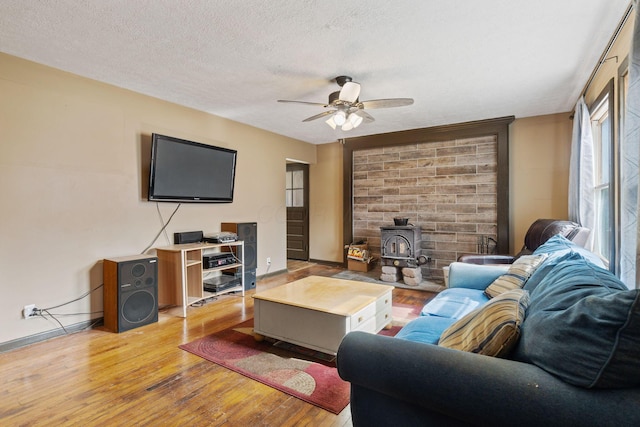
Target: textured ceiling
(460,60)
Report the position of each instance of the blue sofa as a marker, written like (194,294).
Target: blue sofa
(577,360)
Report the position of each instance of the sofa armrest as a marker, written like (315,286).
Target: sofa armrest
(473,276)
(473,389)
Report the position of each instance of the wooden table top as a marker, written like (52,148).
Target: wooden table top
(326,294)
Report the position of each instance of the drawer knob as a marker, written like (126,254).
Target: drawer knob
(359,319)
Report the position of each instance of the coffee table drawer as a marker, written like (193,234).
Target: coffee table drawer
(376,323)
(383,319)
(367,326)
(361,317)
(373,317)
(384,302)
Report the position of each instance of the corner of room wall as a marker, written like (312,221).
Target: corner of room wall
(609,69)
(326,210)
(539,171)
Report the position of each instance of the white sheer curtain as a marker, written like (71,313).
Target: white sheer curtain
(630,152)
(581,180)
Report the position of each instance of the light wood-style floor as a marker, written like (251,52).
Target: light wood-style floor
(141,377)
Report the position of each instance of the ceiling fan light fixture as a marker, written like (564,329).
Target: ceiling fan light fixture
(331,123)
(345,111)
(339,118)
(355,120)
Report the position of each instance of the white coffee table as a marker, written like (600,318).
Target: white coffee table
(317,312)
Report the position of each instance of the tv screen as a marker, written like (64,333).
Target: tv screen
(188,171)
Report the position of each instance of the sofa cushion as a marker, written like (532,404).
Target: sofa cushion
(516,276)
(492,329)
(474,276)
(454,303)
(558,248)
(559,243)
(425,329)
(583,325)
(543,269)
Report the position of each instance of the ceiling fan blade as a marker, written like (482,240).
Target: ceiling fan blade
(350,92)
(317,116)
(368,118)
(304,102)
(344,108)
(385,103)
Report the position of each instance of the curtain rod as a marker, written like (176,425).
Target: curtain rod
(603,57)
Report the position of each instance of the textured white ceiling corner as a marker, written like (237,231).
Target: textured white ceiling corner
(460,60)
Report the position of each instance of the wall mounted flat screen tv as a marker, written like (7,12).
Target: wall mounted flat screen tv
(188,171)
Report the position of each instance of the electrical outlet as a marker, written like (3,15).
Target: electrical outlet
(268,260)
(27,311)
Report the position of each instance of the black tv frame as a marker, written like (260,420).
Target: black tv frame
(173,158)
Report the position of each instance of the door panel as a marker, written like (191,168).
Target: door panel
(297,196)
(297,234)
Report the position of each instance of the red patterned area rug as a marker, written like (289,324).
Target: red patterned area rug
(305,374)
(311,379)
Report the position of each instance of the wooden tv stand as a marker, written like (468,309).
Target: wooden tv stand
(181,273)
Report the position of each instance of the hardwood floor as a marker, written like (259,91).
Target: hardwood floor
(295,265)
(141,377)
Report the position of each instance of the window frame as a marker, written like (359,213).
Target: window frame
(597,110)
(623,89)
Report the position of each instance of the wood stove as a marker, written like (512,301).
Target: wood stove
(400,246)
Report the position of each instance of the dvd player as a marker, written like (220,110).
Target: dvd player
(221,237)
(218,260)
(221,283)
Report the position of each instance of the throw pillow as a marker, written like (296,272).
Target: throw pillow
(583,326)
(492,329)
(516,276)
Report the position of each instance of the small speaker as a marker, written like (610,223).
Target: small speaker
(247,231)
(130,292)
(188,237)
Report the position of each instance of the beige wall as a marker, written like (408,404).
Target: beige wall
(72,186)
(539,153)
(326,210)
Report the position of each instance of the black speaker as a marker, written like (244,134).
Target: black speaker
(130,292)
(247,231)
(249,280)
(188,237)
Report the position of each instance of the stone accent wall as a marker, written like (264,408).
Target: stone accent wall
(448,188)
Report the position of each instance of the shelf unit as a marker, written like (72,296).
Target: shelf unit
(181,273)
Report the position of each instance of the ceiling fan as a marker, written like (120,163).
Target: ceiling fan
(346,110)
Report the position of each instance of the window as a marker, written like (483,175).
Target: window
(295,189)
(603,140)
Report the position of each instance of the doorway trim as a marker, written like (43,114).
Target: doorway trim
(304,167)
